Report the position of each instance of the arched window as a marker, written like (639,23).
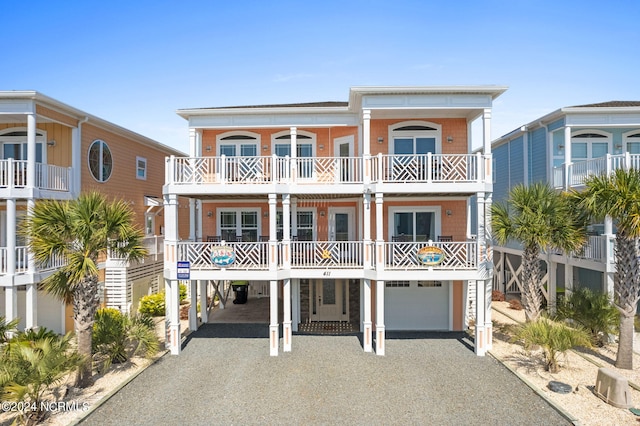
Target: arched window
(415,137)
(238,144)
(632,141)
(14,144)
(100,160)
(590,144)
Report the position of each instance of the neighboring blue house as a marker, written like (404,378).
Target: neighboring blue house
(563,148)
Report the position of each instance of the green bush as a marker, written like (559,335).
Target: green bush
(183,292)
(593,311)
(31,366)
(553,337)
(117,337)
(153,305)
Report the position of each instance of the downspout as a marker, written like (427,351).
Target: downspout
(76,158)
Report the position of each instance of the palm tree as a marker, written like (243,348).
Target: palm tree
(82,231)
(540,218)
(618,195)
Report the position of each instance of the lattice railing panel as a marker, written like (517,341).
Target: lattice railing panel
(457,255)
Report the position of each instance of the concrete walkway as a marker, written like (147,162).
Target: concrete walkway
(226,376)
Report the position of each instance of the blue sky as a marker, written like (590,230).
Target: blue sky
(135,63)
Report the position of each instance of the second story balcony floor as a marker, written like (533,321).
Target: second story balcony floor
(458,173)
(574,175)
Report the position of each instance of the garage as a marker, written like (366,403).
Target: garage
(417,305)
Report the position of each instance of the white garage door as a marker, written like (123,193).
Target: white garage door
(417,305)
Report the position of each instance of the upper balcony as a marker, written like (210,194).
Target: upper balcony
(573,175)
(451,173)
(14,177)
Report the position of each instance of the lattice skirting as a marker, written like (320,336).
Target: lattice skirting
(327,328)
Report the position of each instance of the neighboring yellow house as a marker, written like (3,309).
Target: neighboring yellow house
(342,211)
(50,150)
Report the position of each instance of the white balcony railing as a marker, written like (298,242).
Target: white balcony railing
(458,255)
(575,174)
(14,174)
(327,170)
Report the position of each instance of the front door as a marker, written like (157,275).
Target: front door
(343,151)
(329,300)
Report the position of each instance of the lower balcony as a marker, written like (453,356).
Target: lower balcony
(401,256)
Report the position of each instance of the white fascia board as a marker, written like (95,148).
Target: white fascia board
(16,106)
(604,118)
(493,91)
(273,120)
(187,114)
(429,101)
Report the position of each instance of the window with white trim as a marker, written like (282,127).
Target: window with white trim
(14,144)
(633,142)
(415,137)
(100,160)
(238,144)
(589,144)
(418,224)
(305,221)
(240,224)
(141,168)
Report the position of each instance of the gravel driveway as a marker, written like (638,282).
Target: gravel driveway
(220,379)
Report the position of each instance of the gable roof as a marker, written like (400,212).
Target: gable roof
(610,104)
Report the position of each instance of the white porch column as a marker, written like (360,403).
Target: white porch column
(204,311)
(295,296)
(486,131)
(286,321)
(568,279)
(31,312)
(366,299)
(567,157)
(273,233)
(294,153)
(366,230)
(488,265)
(294,217)
(480,338)
(192,220)
(11,237)
(379,254)
(198,220)
(380,333)
(286,231)
(609,256)
(366,132)
(31,151)
(172,300)
(274,328)
(193,309)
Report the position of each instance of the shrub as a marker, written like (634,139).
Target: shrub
(152,304)
(497,296)
(553,337)
(117,337)
(183,292)
(515,304)
(6,327)
(31,365)
(593,311)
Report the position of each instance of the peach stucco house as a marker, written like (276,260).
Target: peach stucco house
(355,212)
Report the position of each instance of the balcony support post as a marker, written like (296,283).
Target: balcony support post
(172,306)
(366,323)
(204,307)
(608,240)
(274,327)
(488,267)
(286,311)
(286,231)
(380,329)
(193,313)
(294,154)
(379,253)
(366,230)
(567,158)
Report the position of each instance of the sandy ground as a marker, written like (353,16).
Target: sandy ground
(579,369)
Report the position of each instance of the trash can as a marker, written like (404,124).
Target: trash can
(241,289)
